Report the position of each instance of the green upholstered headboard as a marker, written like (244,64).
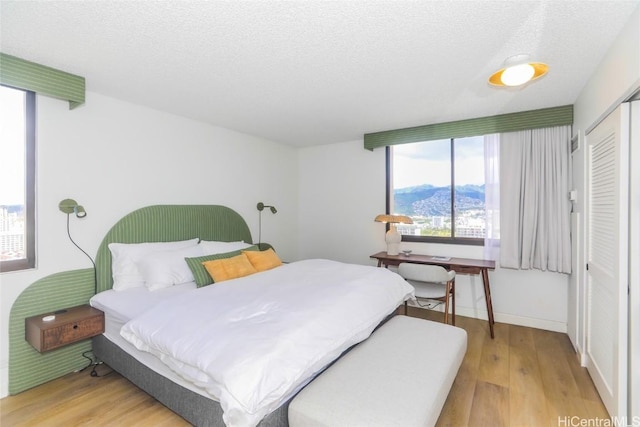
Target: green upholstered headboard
(169,223)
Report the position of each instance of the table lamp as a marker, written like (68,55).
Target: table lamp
(392,237)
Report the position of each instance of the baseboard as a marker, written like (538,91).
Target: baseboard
(583,359)
(4,381)
(548,325)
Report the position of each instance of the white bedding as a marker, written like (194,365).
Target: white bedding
(121,306)
(251,342)
(125,305)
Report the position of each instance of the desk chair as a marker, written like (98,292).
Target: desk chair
(432,282)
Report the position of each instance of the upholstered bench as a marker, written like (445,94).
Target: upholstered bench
(400,376)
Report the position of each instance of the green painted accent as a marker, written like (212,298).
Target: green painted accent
(26,75)
(27,367)
(547,117)
(170,223)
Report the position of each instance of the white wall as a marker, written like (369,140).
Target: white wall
(336,222)
(616,78)
(114,157)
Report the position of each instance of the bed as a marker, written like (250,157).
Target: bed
(261,320)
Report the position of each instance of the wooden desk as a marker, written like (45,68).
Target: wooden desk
(459,265)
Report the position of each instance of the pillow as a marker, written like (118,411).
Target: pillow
(265,260)
(162,269)
(210,248)
(229,268)
(200,273)
(125,256)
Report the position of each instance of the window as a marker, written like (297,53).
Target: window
(440,185)
(17,179)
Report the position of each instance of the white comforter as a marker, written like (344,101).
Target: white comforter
(252,342)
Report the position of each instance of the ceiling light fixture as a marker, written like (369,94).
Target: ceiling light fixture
(517,71)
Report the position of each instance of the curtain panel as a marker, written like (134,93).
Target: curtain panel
(492,197)
(534,208)
(21,74)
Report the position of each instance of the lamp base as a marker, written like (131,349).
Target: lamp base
(393,239)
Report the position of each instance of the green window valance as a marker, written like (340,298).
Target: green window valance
(26,75)
(512,122)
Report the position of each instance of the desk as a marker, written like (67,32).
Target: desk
(459,265)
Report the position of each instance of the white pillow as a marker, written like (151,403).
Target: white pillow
(125,256)
(212,248)
(167,268)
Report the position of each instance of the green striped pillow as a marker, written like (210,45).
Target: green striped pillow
(200,273)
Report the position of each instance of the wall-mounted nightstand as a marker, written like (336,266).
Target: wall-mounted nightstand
(71,325)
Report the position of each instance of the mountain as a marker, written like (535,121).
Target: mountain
(428,200)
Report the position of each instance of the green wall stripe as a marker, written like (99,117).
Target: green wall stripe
(512,122)
(27,367)
(168,223)
(41,79)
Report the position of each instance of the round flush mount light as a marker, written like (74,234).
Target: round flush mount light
(517,71)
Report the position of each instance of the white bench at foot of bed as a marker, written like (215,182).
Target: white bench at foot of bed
(400,376)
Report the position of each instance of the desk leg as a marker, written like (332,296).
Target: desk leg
(487,297)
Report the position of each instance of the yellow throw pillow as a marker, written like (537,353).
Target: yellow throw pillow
(229,268)
(263,260)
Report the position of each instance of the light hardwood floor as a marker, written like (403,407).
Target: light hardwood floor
(524,377)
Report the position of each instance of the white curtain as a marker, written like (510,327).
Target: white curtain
(535,209)
(492,196)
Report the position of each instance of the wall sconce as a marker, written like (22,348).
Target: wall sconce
(70,206)
(261,207)
(393,238)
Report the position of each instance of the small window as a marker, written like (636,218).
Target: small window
(17,179)
(440,185)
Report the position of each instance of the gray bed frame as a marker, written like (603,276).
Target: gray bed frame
(193,407)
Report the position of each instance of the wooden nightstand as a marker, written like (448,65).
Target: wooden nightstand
(71,325)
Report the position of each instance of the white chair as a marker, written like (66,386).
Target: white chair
(432,282)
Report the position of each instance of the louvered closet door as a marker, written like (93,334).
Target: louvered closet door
(607,240)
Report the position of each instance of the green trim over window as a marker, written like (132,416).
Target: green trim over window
(26,75)
(547,117)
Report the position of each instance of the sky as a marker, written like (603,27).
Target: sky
(12,144)
(429,163)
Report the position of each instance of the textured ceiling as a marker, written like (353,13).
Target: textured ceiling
(317,72)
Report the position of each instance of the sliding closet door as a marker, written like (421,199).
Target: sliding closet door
(607,257)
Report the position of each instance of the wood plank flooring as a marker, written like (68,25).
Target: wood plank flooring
(524,377)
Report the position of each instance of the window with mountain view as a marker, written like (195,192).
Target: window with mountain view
(440,185)
(17,179)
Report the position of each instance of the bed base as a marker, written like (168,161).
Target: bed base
(196,409)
